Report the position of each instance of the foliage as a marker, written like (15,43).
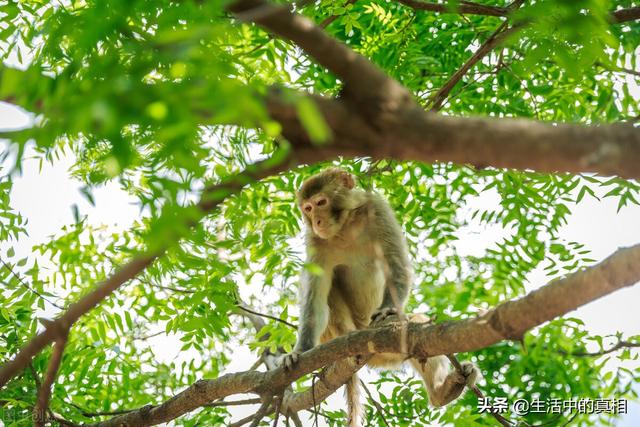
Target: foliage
(165,97)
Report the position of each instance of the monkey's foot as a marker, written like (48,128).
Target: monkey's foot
(470,374)
(382,313)
(288,360)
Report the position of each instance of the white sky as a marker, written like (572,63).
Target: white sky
(45,198)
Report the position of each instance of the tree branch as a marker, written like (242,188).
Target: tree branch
(44,393)
(504,143)
(364,82)
(464,7)
(619,345)
(470,8)
(268,316)
(438,99)
(211,197)
(625,15)
(507,321)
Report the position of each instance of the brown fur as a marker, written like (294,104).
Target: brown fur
(354,236)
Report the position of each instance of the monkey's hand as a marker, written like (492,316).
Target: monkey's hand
(382,313)
(288,360)
(470,374)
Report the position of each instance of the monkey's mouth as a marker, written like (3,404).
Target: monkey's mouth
(324,232)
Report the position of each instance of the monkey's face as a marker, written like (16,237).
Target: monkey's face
(321,214)
(325,200)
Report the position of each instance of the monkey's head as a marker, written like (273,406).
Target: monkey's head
(325,200)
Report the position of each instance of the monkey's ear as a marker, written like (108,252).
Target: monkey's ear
(347,179)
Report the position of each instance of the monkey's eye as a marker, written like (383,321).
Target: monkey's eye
(321,202)
(307,208)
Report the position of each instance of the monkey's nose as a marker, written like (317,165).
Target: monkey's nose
(319,223)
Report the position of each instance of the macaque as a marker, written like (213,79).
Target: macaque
(353,235)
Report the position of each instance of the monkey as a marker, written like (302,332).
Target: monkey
(354,236)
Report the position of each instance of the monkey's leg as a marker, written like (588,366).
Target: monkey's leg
(442,384)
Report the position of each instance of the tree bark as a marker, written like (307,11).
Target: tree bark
(507,321)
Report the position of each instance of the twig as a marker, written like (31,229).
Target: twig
(379,407)
(277,403)
(254,401)
(262,411)
(502,420)
(171,288)
(330,19)
(268,316)
(313,395)
(44,393)
(146,337)
(620,344)
(61,421)
(242,422)
(22,282)
(501,33)
(617,69)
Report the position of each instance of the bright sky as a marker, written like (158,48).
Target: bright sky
(45,198)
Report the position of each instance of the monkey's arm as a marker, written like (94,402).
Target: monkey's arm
(314,313)
(394,249)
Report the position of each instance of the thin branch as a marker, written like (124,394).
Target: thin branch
(498,36)
(174,289)
(268,316)
(242,421)
(262,411)
(325,23)
(379,407)
(616,69)
(254,401)
(61,421)
(29,288)
(619,345)
(277,405)
(44,394)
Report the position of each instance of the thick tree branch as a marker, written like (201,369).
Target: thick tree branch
(364,82)
(471,8)
(481,142)
(509,320)
(464,7)
(625,15)
(391,125)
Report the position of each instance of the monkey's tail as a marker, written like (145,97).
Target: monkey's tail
(352,394)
